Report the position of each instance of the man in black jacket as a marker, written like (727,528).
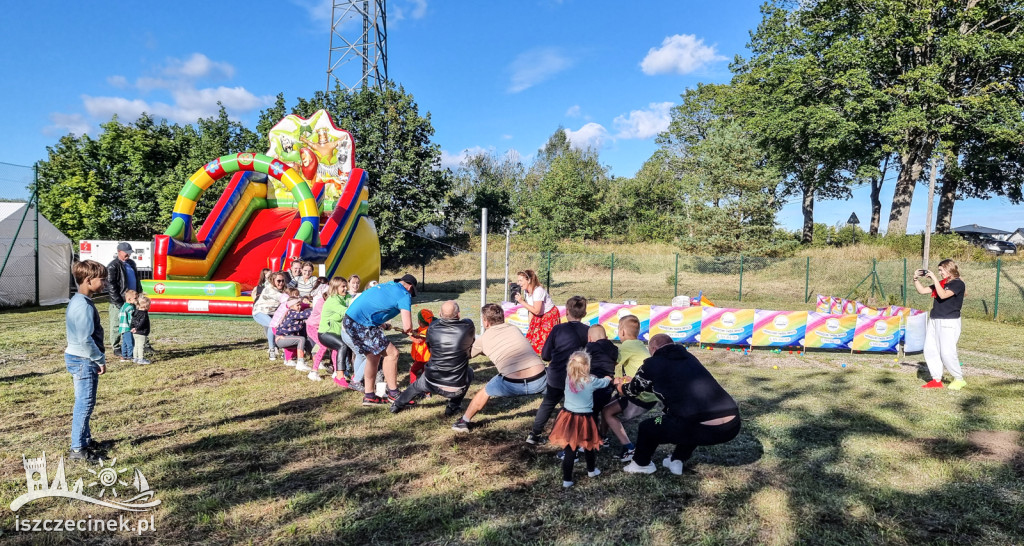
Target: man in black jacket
(447,373)
(121,275)
(698,411)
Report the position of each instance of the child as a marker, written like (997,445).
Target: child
(83,357)
(292,333)
(280,311)
(124,324)
(140,329)
(420,352)
(313,324)
(603,357)
(575,426)
(330,331)
(632,353)
(354,282)
(306,281)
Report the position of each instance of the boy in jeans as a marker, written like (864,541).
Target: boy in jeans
(84,356)
(124,325)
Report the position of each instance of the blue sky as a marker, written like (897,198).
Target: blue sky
(495,76)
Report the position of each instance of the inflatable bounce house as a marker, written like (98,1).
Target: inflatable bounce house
(304,200)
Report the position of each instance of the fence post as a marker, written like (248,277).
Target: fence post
(34,202)
(807,281)
(904,282)
(873,264)
(741,278)
(423,271)
(675,290)
(995,307)
(611,283)
(548,284)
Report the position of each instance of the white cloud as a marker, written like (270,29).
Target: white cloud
(318,10)
(534,66)
(573,111)
(119,82)
(417,10)
(682,54)
(67,123)
(644,123)
(591,135)
(189,105)
(198,66)
(506,137)
(453,161)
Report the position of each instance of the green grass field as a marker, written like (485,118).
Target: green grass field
(243,450)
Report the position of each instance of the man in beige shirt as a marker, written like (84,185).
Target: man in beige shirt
(520,371)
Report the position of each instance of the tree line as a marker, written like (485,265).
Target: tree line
(835,94)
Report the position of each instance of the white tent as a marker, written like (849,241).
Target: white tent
(18,282)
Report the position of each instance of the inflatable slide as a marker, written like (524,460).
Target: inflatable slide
(268,215)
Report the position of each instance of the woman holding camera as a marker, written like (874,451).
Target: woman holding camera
(543,313)
(943,331)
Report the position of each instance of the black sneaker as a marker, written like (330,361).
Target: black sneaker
(606,442)
(450,411)
(371,399)
(82,455)
(461,425)
(393,408)
(626,454)
(561,454)
(534,439)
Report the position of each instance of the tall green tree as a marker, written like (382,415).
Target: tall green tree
(492,183)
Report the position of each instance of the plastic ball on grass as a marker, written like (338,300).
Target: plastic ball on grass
(844,365)
(775,367)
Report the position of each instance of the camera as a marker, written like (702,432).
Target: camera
(513,289)
(922,272)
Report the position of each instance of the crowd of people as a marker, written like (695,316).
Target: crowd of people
(599,385)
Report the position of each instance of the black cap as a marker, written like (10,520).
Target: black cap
(411,281)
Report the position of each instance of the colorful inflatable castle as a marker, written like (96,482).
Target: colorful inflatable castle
(303,200)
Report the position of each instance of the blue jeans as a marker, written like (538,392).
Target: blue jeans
(263,320)
(499,386)
(127,345)
(85,374)
(360,358)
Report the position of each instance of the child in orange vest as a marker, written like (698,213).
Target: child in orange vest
(419,350)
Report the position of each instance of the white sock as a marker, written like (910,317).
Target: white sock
(466,418)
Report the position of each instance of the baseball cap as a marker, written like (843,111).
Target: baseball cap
(124,247)
(410,280)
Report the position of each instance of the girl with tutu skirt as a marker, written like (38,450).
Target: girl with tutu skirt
(575,427)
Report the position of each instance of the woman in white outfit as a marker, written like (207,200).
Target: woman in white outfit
(940,339)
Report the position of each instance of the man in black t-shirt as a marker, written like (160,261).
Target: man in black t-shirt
(562,342)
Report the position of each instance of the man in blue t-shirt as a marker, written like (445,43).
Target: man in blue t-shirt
(363,320)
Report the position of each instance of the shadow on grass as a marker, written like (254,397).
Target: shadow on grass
(20,376)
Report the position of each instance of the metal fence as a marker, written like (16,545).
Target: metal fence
(995,288)
(19,237)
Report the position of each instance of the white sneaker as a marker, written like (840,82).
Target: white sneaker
(302,367)
(595,473)
(675,467)
(273,354)
(634,468)
(314,376)
(567,485)
(290,363)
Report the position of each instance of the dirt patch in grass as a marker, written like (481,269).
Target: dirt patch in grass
(1001,446)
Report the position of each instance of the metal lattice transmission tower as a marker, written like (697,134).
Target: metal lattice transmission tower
(358,60)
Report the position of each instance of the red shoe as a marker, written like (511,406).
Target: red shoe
(933,384)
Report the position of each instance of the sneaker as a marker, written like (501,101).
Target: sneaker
(82,455)
(594,473)
(957,384)
(125,359)
(340,381)
(302,367)
(314,376)
(289,363)
(634,468)
(675,467)
(393,408)
(355,385)
(273,354)
(567,485)
(561,455)
(461,425)
(606,442)
(933,384)
(626,454)
(370,399)
(142,361)
(450,411)
(534,439)
(394,394)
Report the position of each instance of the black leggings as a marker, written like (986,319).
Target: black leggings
(552,397)
(334,343)
(569,459)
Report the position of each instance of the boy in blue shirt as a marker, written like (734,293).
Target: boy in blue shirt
(83,357)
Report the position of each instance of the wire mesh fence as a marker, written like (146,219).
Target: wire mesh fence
(995,288)
(18,237)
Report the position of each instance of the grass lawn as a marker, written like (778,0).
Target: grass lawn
(242,450)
